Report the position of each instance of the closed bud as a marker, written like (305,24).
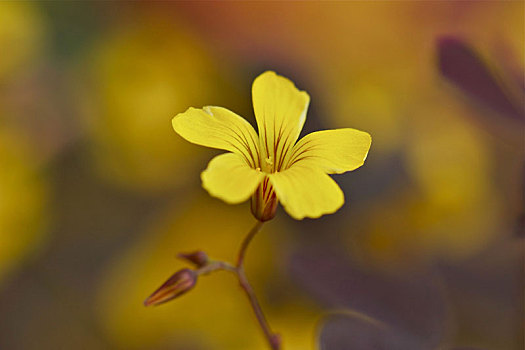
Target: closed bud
(198,258)
(264,201)
(178,284)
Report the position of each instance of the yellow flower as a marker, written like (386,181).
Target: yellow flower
(272,166)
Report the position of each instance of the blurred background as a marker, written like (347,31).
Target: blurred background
(98,194)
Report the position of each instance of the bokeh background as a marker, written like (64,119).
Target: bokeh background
(98,194)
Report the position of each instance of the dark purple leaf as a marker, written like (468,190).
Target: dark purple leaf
(459,63)
(520,225)
(411,304)
(340,332)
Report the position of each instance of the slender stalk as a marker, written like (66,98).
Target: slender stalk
(246,242)
(238,269)
(216,266)
(273,338)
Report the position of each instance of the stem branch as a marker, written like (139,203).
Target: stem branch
(238,269)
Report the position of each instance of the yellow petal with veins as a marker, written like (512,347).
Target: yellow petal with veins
(229,178)
(307,192)
(217,127)
(280,109)
(333,151)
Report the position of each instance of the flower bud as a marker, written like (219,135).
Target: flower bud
(178,284)
(198,258)
(264,202)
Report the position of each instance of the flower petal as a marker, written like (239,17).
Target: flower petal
(333,151)
(229,178)
(280,109)
(307,192)
(217,127)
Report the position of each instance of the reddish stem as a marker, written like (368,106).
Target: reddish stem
(273,338)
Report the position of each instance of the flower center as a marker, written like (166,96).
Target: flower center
(267,165)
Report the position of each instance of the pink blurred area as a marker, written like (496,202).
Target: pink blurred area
(98,194)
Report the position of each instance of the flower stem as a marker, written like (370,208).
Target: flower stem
(238,269)
(273,338)
(244,246)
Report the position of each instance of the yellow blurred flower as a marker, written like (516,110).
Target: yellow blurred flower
(271,166)
(370,101)
(452,210)
(22,34)
(22,202)
(137,76)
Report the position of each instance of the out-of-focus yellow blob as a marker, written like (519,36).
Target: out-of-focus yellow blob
(216,313)
(369,104)
(451,165)
(142,76)
(22,199)
(297,323)
(453,209)
(21,36)
(449,161)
